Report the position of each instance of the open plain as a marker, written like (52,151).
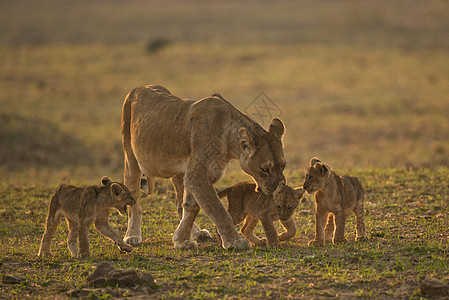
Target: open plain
(364,86)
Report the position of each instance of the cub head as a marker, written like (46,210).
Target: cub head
(120,195)
(262,157)
(316,176)
(287,200)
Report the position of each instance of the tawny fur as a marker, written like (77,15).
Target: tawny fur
(82,206)
(248,205)
(192,142)
(336,197)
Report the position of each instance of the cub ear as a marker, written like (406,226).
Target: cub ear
(322,168)
(300,192)
(246,142)
(105,180)
(116,189)
(277,128)
(313,161)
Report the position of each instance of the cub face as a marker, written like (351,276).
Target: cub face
(315,176)
(263,157)
(120,195)
(287,200)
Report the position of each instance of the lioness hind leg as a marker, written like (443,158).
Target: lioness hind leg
(132,178)
(53,220)
(178,183)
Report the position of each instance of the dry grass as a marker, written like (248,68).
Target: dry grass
(362,85)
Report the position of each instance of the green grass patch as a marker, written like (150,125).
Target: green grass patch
(406,242)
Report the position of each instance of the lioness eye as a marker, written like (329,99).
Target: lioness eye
(265,170)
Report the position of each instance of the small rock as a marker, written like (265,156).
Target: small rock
(434,287)
(106,275)
(123,278)
(97,282)
(146,279)
(101,271)
(11,279)
(77,293)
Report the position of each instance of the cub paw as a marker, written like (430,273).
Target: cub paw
(240,244)
(202,235)
(361,239)
(316,243)
(187,245)
(133,240)
(125,247)
(83,255)
(273,245)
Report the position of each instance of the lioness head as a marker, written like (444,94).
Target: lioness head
(120,195)
(316,176)
(262,157)
(287,200)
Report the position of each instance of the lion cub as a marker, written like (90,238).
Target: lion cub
(336,197)
(246,204)
(81,207)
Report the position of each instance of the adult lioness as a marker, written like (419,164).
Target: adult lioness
(192,142)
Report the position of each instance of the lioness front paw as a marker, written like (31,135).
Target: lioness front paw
(316,243)
(202,235)
(186,245)
(44,253)
(133,240)
(125,247)
(261,242)
(284,236)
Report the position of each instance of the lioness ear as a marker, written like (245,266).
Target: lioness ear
(105,180)
(277,128)
(313,161)
(300,193)
(116,189)
(246,142)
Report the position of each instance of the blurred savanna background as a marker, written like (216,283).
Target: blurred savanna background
(363,85)
(360,84)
